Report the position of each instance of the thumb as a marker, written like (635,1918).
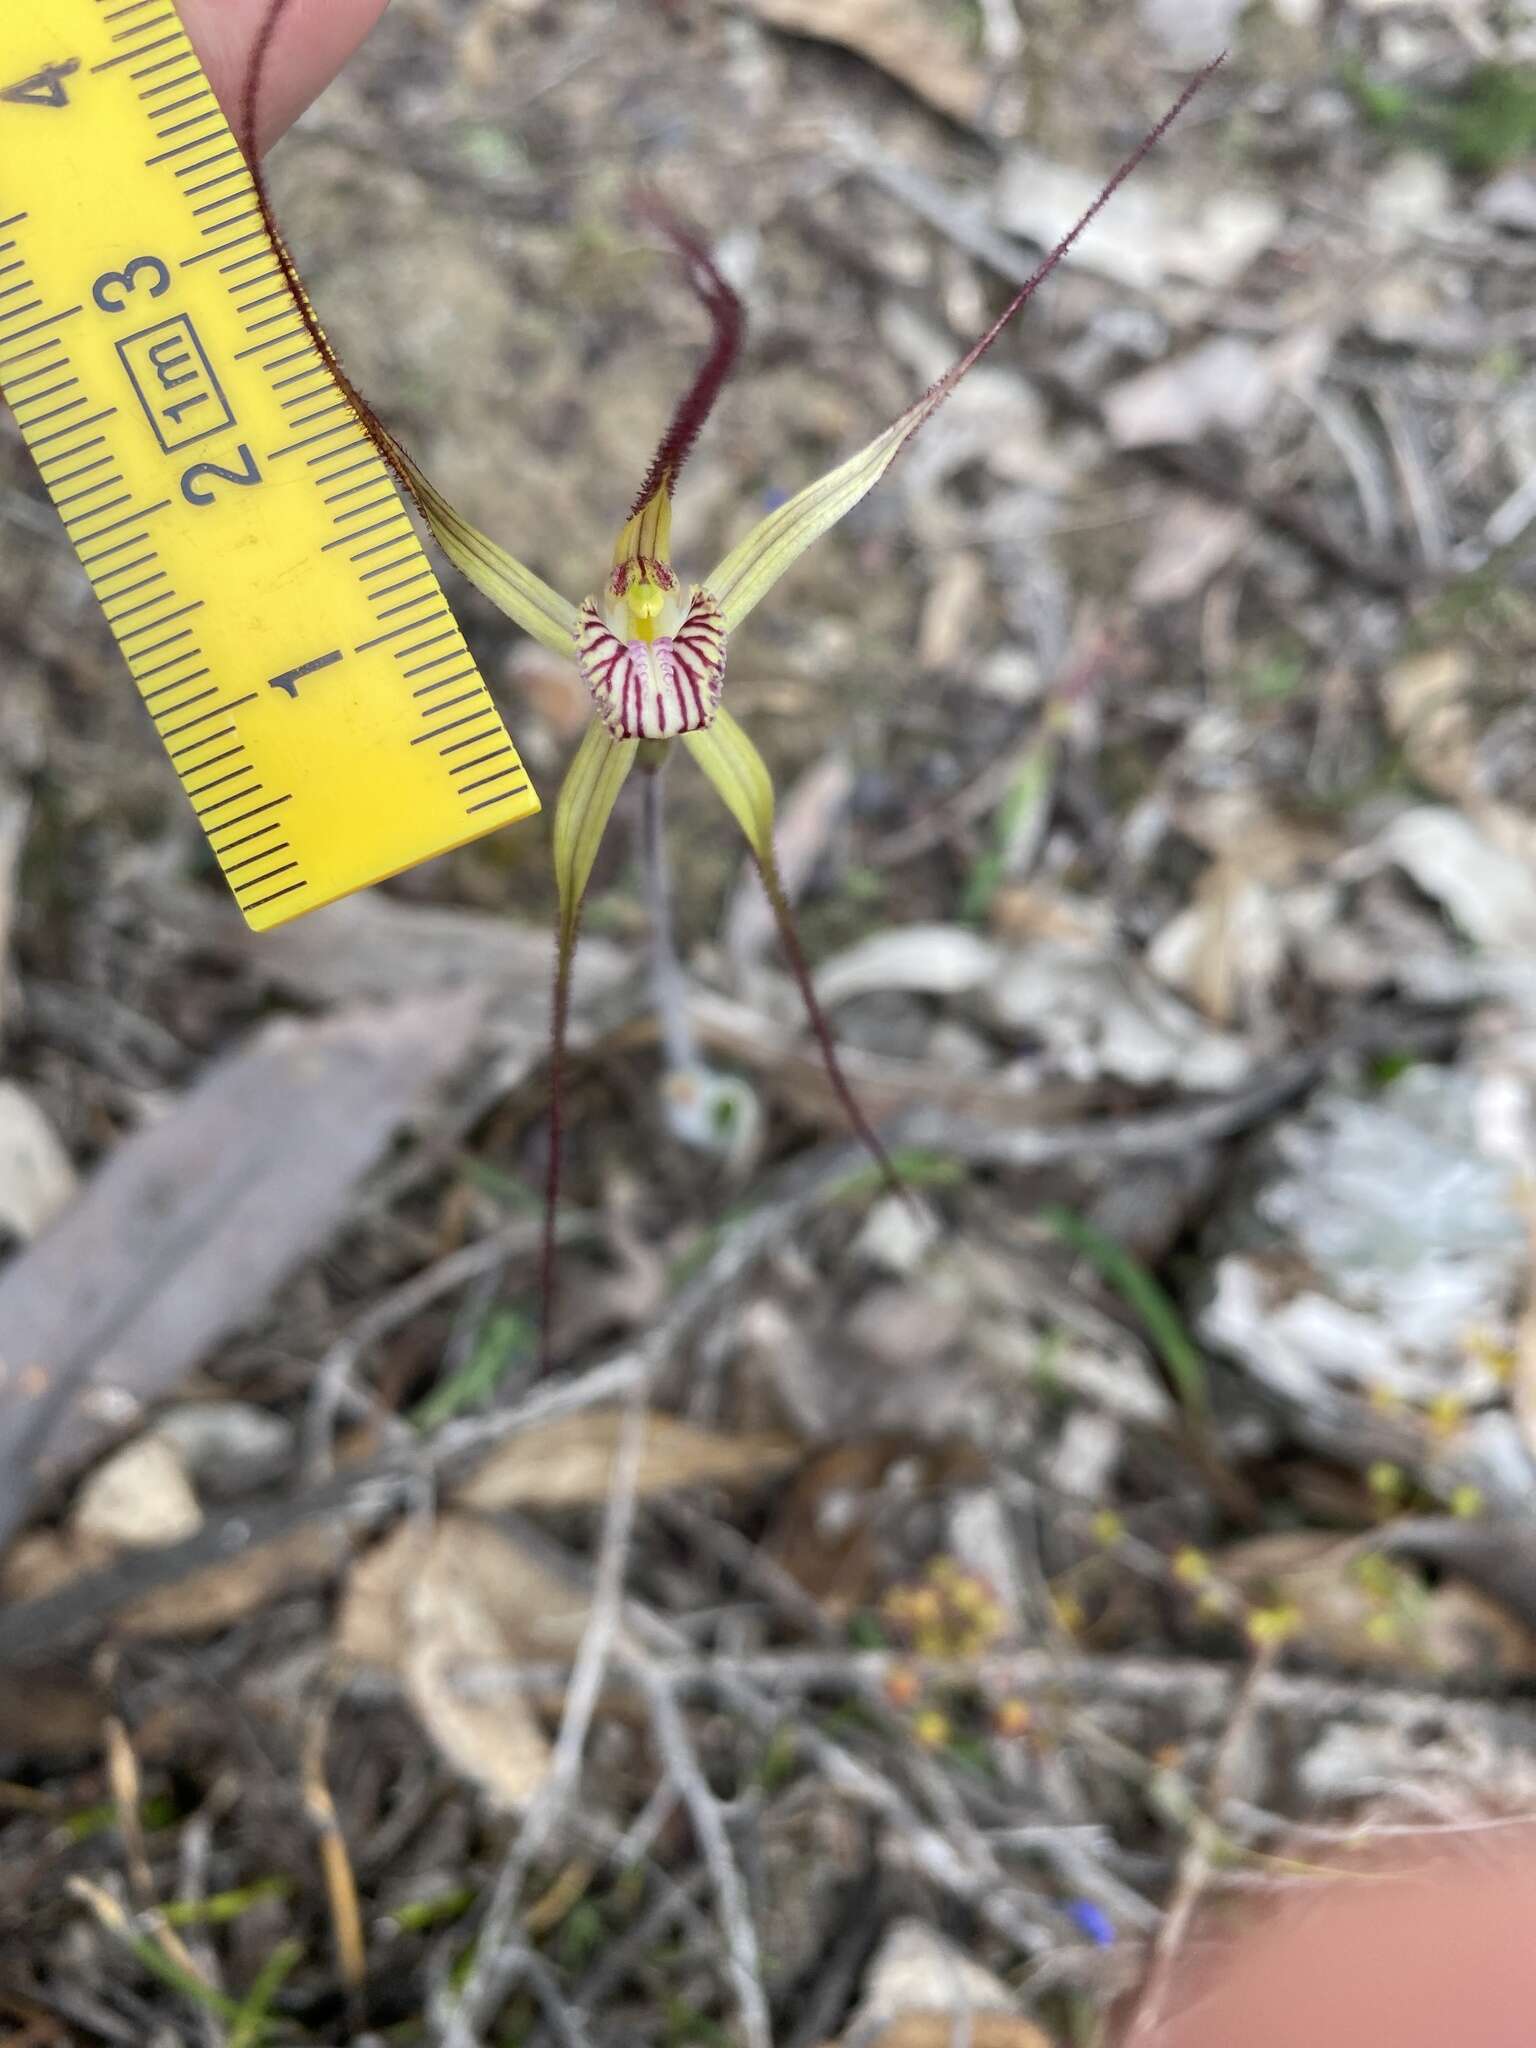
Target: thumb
(313,39)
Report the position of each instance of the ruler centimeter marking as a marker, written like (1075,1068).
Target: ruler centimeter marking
(249,546)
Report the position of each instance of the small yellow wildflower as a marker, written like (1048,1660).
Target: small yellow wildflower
(1387,1481)
(1012,1719)
(1191,1567)
(1269,1627)
(1446,1414)
(903,1687)
(1496,1358)
(1069,1613)
(932,1728)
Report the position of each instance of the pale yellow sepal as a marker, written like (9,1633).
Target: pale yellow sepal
(776,543)
(525,598)
(587,798)
(741,779)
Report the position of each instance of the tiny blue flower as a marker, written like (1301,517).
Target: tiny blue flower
(1093,1921)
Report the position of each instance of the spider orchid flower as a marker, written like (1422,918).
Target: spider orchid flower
(649,646)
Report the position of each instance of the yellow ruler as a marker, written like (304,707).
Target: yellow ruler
(249,546)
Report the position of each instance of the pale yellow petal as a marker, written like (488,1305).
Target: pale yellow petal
(587,798)
(525,598)
(740,777)
(776,543)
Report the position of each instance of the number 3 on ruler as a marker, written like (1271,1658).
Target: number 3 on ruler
(112,282)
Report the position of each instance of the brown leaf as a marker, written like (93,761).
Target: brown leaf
(824,1533)
(54,1712)
(569,1463)
(425,1603)
(45,1561)
(900,37)
(216,1597)
(222,1594)
(1430,699)
(1427,698)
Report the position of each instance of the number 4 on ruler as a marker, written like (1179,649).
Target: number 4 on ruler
(44,88)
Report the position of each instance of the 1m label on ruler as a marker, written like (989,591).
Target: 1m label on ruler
(250,548)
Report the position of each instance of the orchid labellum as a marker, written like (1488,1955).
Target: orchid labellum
(651,647)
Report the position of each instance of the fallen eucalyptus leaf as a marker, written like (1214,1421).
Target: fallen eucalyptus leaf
(426,1604)
(903,38)
(569,1462)
(918,959)
(219,1200)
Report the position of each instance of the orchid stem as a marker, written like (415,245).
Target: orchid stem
(789,938)
(559,1025)
(669,989)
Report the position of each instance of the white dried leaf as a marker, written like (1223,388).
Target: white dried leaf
(37,1179)
(1156,229)
(896,1236)
(226,1445)
(1190,29)
(1226,949)
(1191,541)
(138,1498)
(1100,1015)
(917,959)
(916,1971)
(1414,193)
(1489,893)
(1227,382)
